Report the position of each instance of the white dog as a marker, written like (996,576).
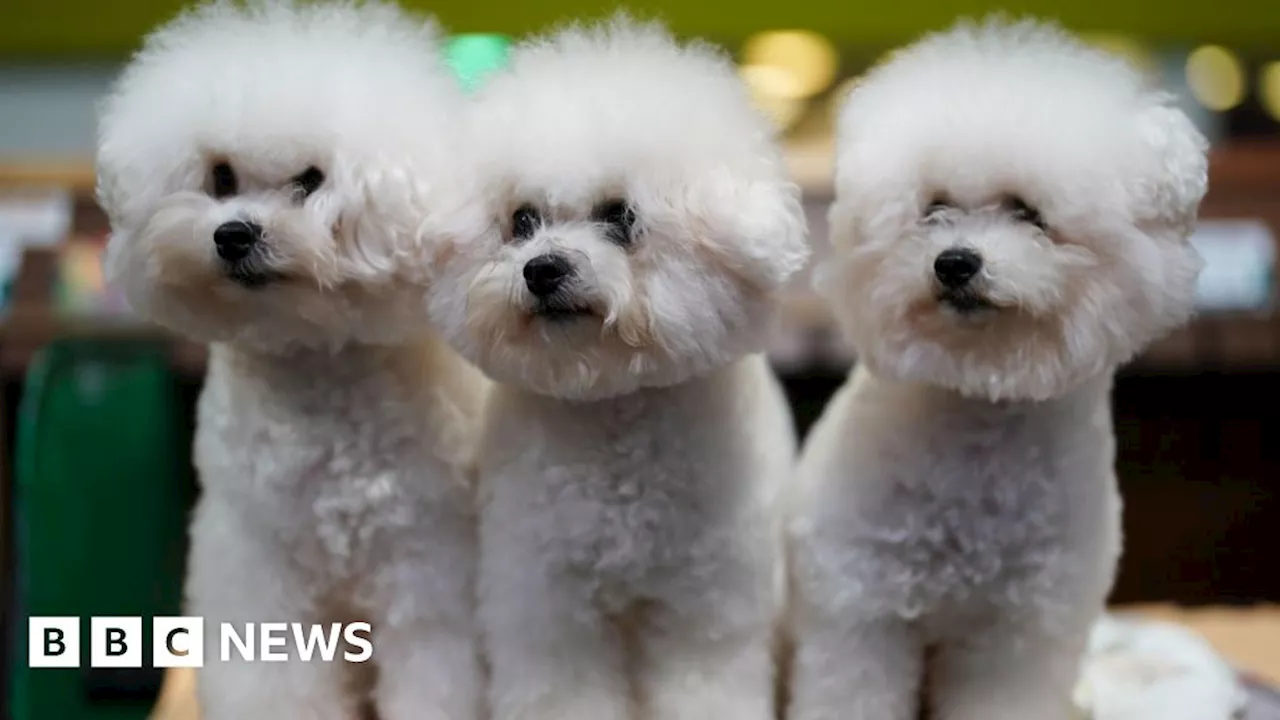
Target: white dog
(630,548)
(1011,223)
(267,170)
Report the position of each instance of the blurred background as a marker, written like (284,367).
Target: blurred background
(95,481)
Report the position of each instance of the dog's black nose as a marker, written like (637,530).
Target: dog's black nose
(546,273)
(235,239)
(956,266)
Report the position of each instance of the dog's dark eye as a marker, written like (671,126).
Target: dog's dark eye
(1022,212)
(937,206)
(525,222)
(309,181)
(620,218)
(224,180)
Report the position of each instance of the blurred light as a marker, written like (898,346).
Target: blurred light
(809,59)
(1269,88)
(1123,46)
(769,86)
(473,57)
(772,81)
(1216,77)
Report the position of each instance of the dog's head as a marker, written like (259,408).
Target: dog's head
(267,169)
(641,218)
(1012,213)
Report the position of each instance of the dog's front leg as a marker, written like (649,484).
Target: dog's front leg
(854,669)
(426,637)
(1008,673)
(233,583)
(429,671)
(705,648)
(551,655)
(706,671)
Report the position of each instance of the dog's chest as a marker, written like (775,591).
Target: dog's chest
(948,510)
(621,518)
(632,500)
(333,482)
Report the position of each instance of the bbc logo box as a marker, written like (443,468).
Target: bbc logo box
(119,642)
(177,642)
(53,642)
(115,642)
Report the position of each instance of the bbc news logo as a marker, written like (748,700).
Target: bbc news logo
(116,642)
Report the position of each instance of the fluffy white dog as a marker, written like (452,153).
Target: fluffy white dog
(277,177)
(630,462)
(1011,223)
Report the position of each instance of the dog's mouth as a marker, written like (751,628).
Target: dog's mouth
(251,275)
(561,309)
(965,301)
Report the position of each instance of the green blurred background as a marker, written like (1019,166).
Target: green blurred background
(58,56)
(66,28)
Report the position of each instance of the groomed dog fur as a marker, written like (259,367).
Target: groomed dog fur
(632,454)
(1011,223)
(279,177)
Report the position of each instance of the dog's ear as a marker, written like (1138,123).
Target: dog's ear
(1180,166)
(755,228)
(106,190)
(118,192)
(111,194)
(841,223)
(384,208)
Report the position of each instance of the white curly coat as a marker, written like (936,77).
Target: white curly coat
(335,443)
(634,452)
(957,515)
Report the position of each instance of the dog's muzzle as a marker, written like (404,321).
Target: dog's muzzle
(235,240)
(955,269)
(238,243)
(548,278)
(544,275)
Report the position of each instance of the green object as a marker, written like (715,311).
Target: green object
(101,498)
(473,57)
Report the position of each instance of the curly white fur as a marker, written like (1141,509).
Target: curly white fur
(335,438)
(958,511)
(588,116)
(630,543)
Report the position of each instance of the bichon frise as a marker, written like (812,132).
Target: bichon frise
(1011,223)
(633,451)
(267,170)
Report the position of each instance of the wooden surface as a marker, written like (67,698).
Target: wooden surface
(177,697)
(76,175)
